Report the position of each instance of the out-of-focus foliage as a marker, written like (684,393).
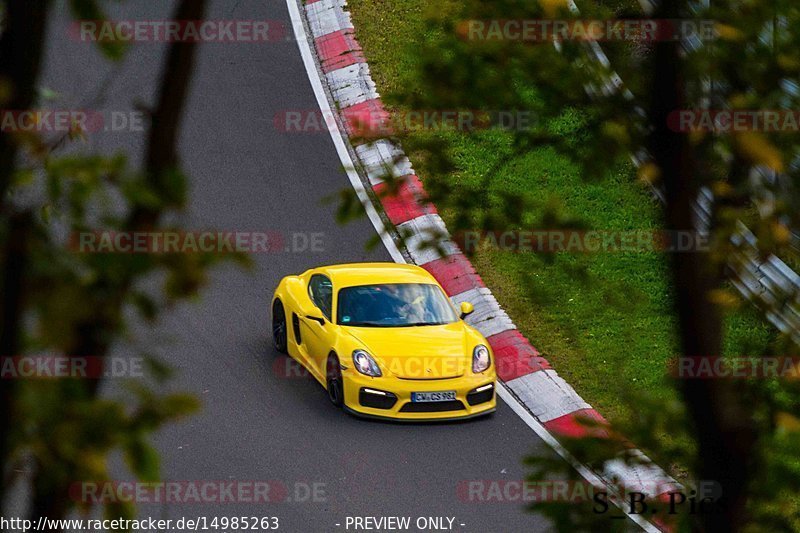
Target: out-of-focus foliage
(753,63)
(83,304)
(753,72)
(90,10)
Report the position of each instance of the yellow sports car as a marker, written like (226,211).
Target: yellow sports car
(385,341)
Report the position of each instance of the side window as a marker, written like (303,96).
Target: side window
(320,289)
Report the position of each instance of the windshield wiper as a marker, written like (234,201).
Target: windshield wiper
(414,324)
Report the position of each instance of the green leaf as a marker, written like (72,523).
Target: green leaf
(142,459)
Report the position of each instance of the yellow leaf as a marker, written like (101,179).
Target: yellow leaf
(787,62)
(759,150)
(616,131)
(553,7)
(94,464)
(649,173)
(738,101)
(728,33)
(5,91)
(697,136)
(722,188)
(787,422)
(781,233)
(723,298)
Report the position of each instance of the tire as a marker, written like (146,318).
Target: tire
(279,331)
(335,385)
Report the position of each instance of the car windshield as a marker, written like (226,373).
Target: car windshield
(394,305)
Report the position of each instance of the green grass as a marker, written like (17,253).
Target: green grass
(603,320)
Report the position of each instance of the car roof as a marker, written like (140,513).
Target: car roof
(353,274)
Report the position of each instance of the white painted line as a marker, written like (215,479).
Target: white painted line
(336,135)
(355,181)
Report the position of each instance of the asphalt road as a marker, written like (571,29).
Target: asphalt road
(257,424)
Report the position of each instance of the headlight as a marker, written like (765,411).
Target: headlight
(480,359)
(366,364)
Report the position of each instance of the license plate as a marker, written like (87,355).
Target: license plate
(433,396)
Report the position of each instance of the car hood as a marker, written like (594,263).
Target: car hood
(421,352)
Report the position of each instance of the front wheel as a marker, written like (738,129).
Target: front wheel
(279,327)
(334,381)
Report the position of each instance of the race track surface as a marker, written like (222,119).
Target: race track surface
(256,423)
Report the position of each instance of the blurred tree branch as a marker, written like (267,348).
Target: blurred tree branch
(731,426)
(21,44)
(77,302)
(723,422)
(99,327)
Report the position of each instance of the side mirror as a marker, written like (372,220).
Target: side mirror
(466,309)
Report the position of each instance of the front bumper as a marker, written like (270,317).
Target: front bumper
(390,397)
